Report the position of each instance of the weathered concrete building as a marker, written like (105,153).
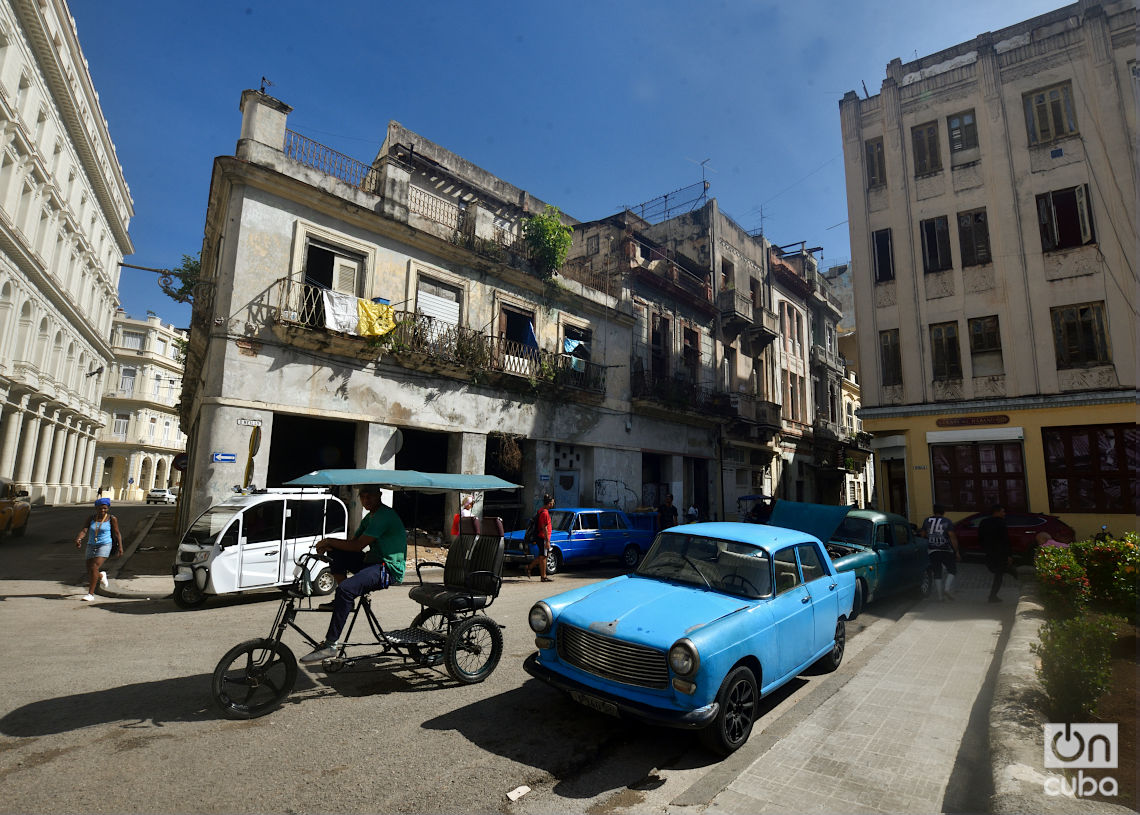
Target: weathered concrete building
(136,450)
(64,213)
(992,201)
(735,336)
(490,367)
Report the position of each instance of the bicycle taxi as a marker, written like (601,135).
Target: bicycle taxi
(253,677)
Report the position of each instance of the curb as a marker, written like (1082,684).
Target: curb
(1017,740)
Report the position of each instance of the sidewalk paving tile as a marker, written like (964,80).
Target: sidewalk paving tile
(887,741)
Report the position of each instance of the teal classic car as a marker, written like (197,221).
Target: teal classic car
(880,548)
(716,616)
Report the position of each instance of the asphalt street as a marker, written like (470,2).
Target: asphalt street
(106,708)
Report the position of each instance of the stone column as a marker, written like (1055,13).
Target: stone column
(13,422)
(132,472)
(58,449)
(466,453)
(79,465)
(67,474)
(27,452)
(38,488)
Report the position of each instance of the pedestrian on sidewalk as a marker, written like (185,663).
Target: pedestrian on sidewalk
(102,535)
(542,530)
(993,537)
(942,543)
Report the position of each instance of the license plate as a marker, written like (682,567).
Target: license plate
(594,703)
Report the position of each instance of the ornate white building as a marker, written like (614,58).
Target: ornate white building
(64,213)
(137,447)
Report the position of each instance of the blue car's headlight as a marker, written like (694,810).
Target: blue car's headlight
(684,659)
(540,618)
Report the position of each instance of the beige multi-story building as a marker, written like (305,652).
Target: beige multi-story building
(64,213)
(137,448)
(992,200)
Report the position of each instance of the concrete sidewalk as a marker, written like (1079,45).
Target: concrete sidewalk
(890,738)
(143,572)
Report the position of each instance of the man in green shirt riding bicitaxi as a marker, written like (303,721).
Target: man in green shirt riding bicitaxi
(382,533)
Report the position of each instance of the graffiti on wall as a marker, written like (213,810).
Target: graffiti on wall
(609,492)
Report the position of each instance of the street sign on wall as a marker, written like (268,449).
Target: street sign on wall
(223,458)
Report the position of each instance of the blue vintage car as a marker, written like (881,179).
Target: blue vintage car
(880,548)
(716,616)
(580,534)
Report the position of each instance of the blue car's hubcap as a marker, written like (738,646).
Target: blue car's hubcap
(739,708)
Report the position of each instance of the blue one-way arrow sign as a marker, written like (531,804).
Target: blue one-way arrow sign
(223,458)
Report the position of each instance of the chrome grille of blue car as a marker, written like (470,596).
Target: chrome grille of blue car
(612,658)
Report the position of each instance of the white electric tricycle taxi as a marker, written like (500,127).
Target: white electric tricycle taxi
(253,541)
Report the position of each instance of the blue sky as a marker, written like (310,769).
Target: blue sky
(591,106)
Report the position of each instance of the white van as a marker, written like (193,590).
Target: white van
(252,541)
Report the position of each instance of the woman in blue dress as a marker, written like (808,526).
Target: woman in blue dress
(101,534)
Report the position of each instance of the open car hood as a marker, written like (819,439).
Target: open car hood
(820,520)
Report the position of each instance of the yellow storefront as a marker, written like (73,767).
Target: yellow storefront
(1074,456)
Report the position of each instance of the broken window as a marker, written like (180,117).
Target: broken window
(927,156)
(963,131)
(890,357)
(1079,336)
(876,163)
(1049,114)
(974,237)
(883,256)
(985,346)
(935,244)
(1064,217)
(947,363)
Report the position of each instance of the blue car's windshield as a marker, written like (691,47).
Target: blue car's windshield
(853,530)
(725,566)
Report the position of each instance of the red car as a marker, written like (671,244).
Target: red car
(1023,528)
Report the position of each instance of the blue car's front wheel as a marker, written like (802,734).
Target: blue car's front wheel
(738,698)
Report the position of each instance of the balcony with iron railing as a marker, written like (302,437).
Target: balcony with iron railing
(736,308)
(826,428)
(666,274)
(421,341)
(821,355)
(677,393)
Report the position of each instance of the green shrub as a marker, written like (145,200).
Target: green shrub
(1113,569)
(1062,580)
(548,240)
(1076,664)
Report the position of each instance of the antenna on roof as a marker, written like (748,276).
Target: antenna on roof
(265,83)
(865,94)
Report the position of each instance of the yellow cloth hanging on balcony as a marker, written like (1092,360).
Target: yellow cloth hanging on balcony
(375,319)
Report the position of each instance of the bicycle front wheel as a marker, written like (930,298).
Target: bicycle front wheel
(473,649)
(253,677)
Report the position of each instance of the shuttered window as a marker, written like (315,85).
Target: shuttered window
(438,300)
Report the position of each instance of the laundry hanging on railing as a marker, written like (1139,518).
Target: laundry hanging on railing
(340,311)
(376,319)
(353,315)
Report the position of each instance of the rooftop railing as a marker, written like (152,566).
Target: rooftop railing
(313,154)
